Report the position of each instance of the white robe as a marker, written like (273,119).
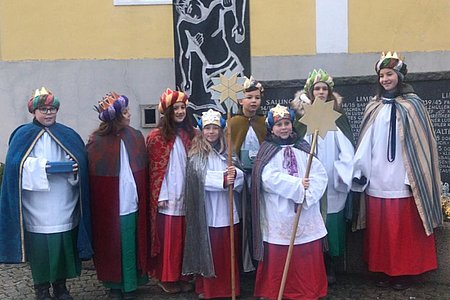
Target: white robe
(172,188)
(384,179)
(336,153)
(280,192)
(128,196)
(49,201)
(216,196)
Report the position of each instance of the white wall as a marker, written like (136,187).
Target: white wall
(80,84)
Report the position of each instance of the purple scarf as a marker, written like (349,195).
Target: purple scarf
(290,162)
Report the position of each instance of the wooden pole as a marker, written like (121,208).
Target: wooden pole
(297,219)
(231,206)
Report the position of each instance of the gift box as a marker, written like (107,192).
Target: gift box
(60,166)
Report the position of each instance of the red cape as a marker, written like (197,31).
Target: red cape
(104,166)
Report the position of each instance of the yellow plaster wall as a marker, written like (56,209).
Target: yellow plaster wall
(282,27)
(83,29)
(403,25)
(96,29)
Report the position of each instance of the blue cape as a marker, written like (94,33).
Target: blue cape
(21,142)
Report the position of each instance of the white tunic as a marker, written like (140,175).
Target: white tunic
(336,152)
(216,196)
(280,192)
(49,200)
(172,188)
(251,143)
(384,179)
(128,196)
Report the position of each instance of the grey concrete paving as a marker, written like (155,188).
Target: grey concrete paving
(15,283)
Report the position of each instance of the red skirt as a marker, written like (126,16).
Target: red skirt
(306,278)
(395,241)
(166,266)
(220,286)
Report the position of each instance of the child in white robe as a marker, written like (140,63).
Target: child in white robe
(278,189)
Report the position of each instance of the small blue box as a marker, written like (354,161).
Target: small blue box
(60,166)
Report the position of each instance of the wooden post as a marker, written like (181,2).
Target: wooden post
(231,212)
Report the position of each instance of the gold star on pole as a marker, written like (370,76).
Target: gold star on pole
(320,116)
(228,87)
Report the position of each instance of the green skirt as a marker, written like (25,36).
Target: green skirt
(336,233)
(52,256)
(131,278)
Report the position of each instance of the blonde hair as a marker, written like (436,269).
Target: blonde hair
(200,146)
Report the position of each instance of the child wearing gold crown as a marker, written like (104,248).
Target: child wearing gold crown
(396,164)
(44,205)
(167,148)
(207,245)
(335,151)
(278,187)
(118,170)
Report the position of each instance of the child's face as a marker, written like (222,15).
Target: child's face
(126,117)
(251,103)
(282,128)
(179,112)
(388,79)
(320,91)
(46,115)
(211,133)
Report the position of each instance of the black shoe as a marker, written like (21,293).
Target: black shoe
(400,286)
(383,283)
(115,294)
(402,283)
(41,291)
(129,295)
(60,291)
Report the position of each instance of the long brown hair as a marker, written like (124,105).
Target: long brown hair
(112,127)
(168,126)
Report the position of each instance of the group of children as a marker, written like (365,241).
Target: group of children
(160,206)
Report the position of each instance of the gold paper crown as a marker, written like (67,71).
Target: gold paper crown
(40,92)
(107,101)
(279,112)
(391,55)
(391,60)
(252,83)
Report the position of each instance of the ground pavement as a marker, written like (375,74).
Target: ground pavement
(15,283)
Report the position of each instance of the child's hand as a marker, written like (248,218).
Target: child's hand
(163,204)
(305,182)
(231,175)
(74,166)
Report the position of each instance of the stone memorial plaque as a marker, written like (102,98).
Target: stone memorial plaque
(432,88)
